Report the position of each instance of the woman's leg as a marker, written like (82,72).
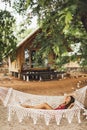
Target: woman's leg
(41,106)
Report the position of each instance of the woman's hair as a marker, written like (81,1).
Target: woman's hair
(72,100)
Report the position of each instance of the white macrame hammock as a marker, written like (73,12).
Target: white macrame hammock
(12,99)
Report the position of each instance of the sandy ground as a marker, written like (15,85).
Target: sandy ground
(57,87)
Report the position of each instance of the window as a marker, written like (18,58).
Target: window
(26,56)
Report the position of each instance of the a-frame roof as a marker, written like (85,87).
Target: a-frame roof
(28,38)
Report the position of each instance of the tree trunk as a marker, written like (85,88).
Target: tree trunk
(84,21)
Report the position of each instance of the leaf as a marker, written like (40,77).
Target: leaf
(65,30)
(56,49)
(68,17)
(61,17)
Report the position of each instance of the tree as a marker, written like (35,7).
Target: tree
(7,38)
(22,29)
(63,21)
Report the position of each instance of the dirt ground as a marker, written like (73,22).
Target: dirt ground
(54,87)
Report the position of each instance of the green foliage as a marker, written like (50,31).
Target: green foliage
(20,6)
(7,38)
(23,29)
(63,23)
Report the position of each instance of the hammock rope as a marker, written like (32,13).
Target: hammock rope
(13,98)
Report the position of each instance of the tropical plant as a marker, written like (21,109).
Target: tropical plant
(63,23)
(7,38)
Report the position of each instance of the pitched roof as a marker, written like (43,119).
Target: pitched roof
(28,37)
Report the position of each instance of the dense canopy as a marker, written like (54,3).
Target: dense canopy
(63,23)
(7,38)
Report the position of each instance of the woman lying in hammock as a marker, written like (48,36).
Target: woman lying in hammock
(68,103)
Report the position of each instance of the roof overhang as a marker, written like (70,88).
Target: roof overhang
(28,37)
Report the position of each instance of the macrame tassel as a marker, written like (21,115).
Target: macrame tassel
(20,115)
(34,116)
(69,115)
(9,114)
(78,116)
(85,113)
(47,118)
(58,116)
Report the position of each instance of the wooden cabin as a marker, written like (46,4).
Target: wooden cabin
(24,65)
(23,54)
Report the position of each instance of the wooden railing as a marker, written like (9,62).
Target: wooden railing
(41,75)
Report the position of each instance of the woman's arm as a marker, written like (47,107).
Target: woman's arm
(71,105)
